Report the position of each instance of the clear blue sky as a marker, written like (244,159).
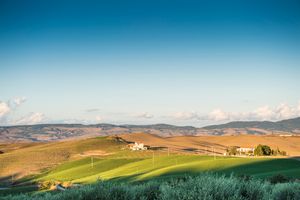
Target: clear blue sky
(142,62)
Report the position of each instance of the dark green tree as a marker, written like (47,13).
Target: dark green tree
(262,150)
(232,150)
(267,150)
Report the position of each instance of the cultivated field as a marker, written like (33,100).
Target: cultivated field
(218,144)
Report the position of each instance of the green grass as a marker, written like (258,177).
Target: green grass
(82,171)
(84,168)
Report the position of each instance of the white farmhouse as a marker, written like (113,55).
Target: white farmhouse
(137,146)
(245,150)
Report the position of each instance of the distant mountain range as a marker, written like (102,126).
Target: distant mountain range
(289,125)
(52,132)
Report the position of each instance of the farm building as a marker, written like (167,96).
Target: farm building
(137,146)
(245,150)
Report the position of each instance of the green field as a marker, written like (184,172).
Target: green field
(86,171)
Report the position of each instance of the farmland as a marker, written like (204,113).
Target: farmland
(88,161)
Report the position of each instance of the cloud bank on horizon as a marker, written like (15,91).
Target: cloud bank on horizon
(264,113)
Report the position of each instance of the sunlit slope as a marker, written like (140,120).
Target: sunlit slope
(34,157)
(84,171)
(84,168)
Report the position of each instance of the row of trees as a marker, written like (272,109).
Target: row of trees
(264,150)
(260,150)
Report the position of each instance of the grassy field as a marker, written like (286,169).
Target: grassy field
(84,171)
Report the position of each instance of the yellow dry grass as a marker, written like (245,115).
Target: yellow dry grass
(208,144)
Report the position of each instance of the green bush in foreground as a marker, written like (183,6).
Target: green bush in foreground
(205,186)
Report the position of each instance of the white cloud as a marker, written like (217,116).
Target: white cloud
(92,110)
(144,115)
(10,105)
(185,115)
(32,118)
(262,113)
(218,115)
(18,101)
(282,111)
(99,118)
(4,109)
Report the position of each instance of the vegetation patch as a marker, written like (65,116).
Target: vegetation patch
(204,186)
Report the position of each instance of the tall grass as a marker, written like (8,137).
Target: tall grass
(204,186)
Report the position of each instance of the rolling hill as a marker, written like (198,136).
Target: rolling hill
(22,159)
(53,132)
(290,125)
(24,165)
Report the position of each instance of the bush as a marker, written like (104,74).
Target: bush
(204,186)
(286,191)
(277,152)
(279,179)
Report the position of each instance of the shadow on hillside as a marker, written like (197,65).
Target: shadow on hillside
(209,144)
(9,180)
(157,148)
(295,157)
(257,169)
(263,168)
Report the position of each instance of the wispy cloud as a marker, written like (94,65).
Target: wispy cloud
(18,101)
(99,119)
(144,115)
(4,109)
(218,115)
(32,118)
(7,107)
(185,115)
(92,110)
(280,112)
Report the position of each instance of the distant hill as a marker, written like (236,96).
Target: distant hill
(289,125)
(53,132)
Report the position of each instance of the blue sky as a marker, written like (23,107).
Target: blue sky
(142,62)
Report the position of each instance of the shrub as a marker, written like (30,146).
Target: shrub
(278,152)
(286,191)
(279,178)
(204,186)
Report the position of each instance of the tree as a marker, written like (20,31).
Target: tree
(279,178)
(267,150)
(232,150)
(277,152)
(262,150)
(258,151)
